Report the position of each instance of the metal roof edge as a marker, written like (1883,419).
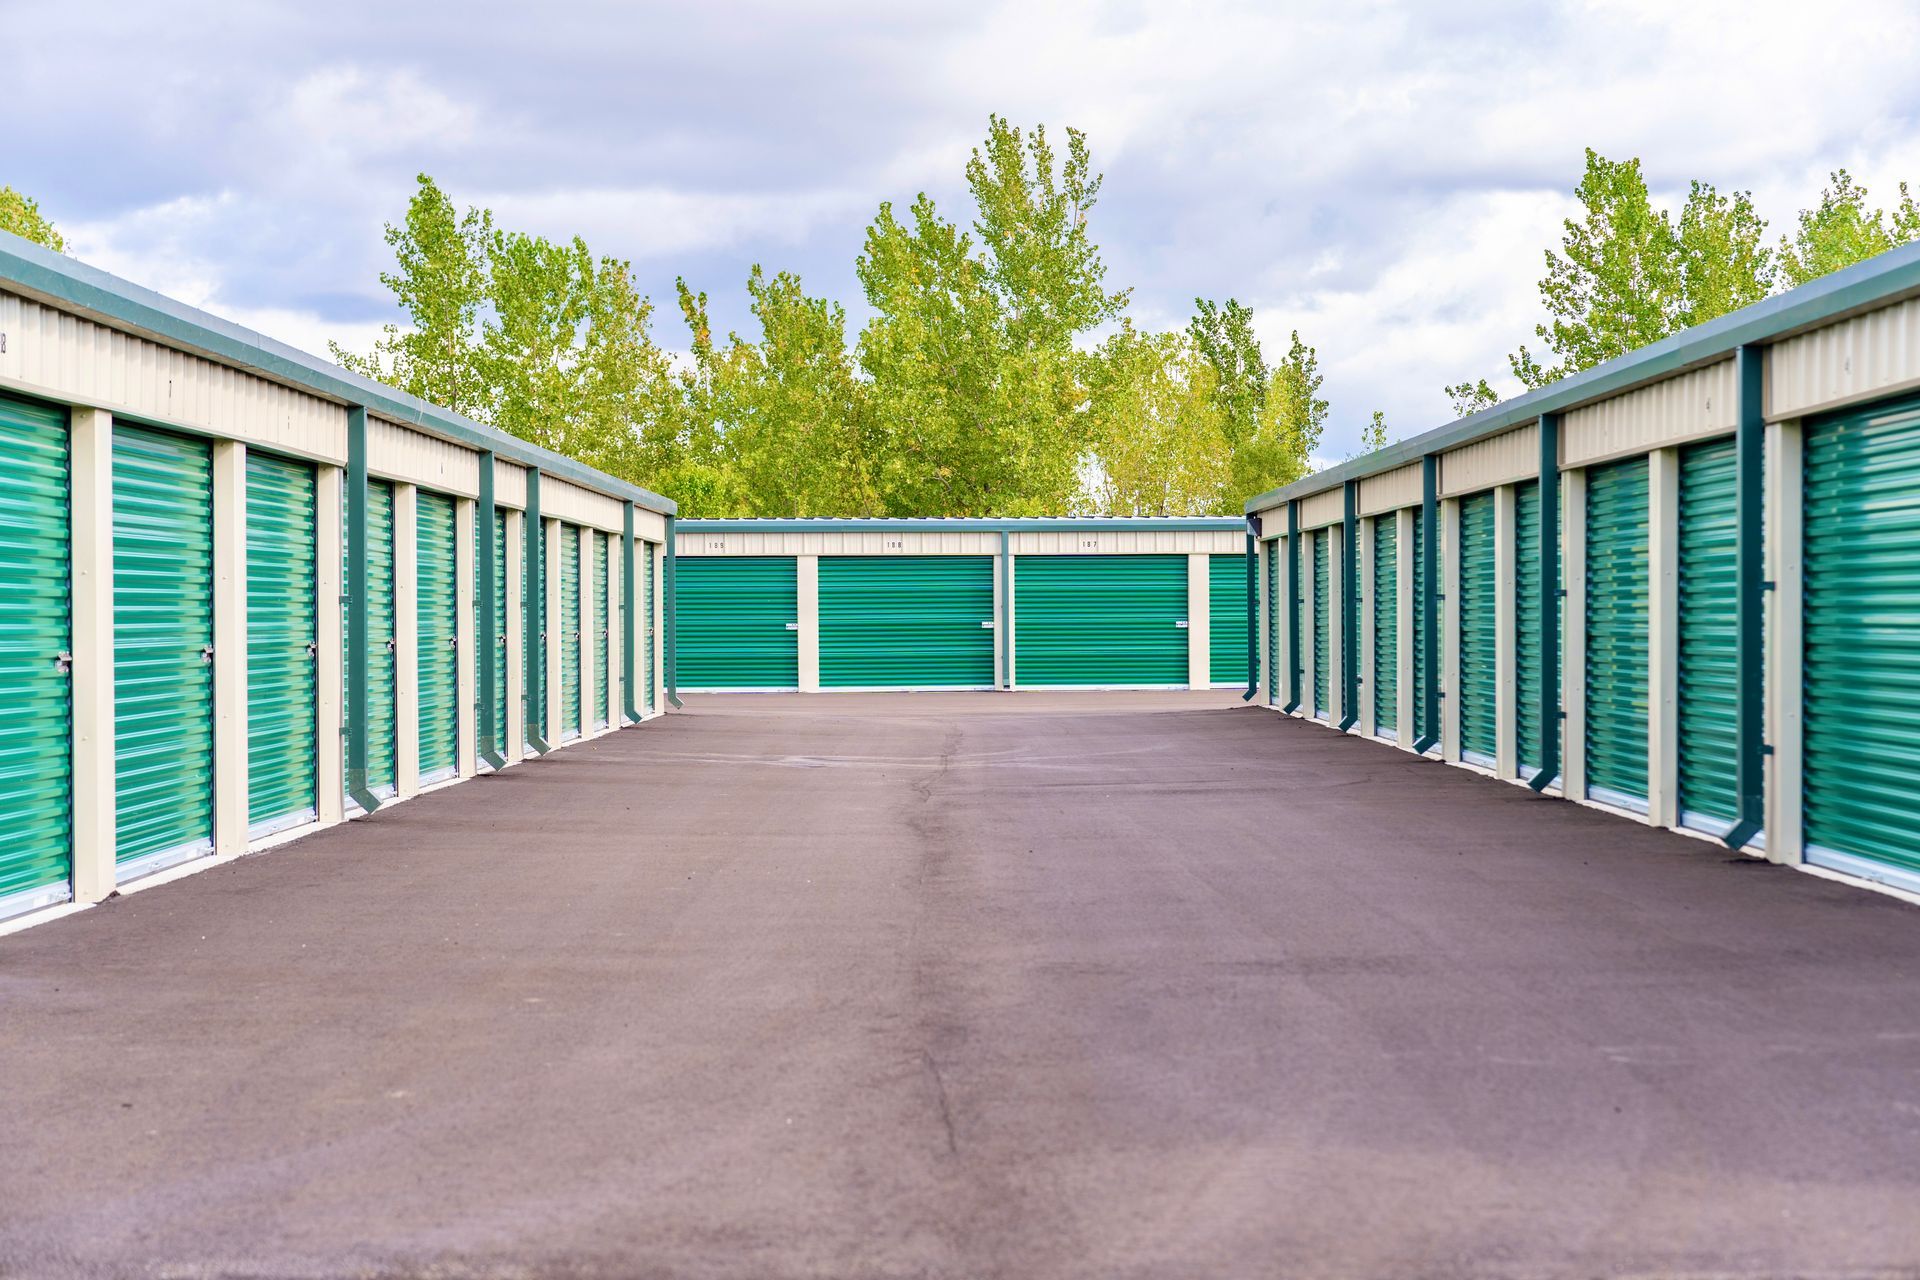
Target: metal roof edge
(967,524)
(74,285)
(1878,281)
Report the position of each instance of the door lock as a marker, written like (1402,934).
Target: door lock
(206,654)
(63,662)
(313,648)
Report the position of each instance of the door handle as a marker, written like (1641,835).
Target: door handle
(206,654)
(793,626)
(63,662)
(313,648)
(1182,624)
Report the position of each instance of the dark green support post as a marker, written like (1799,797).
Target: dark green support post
(486,576)
(1006,610)
(1428,730)
(1293,608)
(1350,607)
(1552,600)
(533,645)
(1749,610)
(1253,605)
(355,728)
(669,644)
(633,622)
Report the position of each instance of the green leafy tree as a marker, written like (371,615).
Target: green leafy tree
(1724,262)
(1224,338)
(1468,398)
(1844,229)
(1373,436)
(1290,428)
(1160,446)
(20,214)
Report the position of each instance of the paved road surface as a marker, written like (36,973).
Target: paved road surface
(984,986)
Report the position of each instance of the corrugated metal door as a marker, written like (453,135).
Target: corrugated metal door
(1709,635)
(1617,573)
(436,635)
(1479,629)
(1276,618)
(162,648)
(569,631)
(1100,620)
(1227,619)
(646,658)
(1386,625)
(906,622)
(490,626)
(602,630)
(36,762)
(1526,625)
(739,622)
(1862,642)
(1322,624)
(381,699)
(283,638)
(1421,729)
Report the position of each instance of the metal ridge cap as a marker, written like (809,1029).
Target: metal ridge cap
(120,303)
(1879,280)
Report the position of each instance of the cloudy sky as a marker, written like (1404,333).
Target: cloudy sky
(1382,177)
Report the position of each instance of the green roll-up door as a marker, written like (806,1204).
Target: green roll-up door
(1617,575)
(906,622)
(1276,618)
(1479,629)
(1322,622)
(1421,729)
(490,627)
(36,763)
(382,694)
(1100,620)
(602,630)
(1227,619)
(569,631)
(646,659)
(436,633)
(1526,625)
(1386,625)
(283,637)
(739,622)
(162,648)
(1862,643)
(1709,636)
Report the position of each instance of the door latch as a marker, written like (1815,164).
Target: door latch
(313,648)
(391,646)
(1182,624)
(63,662)
(793,626)
(206,654)
(453,642)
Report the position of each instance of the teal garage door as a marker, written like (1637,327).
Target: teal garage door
(897,622)
(283,638)
(162,648)
(1100,621)
(602,631)
(1479,629)
(490,626)
(1862,643)
(1421,641)
(646,634)
(1386,625)
(1227,619)
(569,632)
(381,700)
(436,613)
(36,764)
(1709,634)
(1526,625)
(1322,623)
(739,622)
(1276,618)
(1617,573)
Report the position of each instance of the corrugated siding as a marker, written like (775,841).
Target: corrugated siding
(906,622)
(1693,405)
(87,363)
(36,767)
(1100,620)
(1390,490)
(1709,633)
(1123,542)
(697,542)
(1506,458)
(283,630)
(509,485)
(1479,629)
(738,620)
(560,500)
(1386,624)
(1868,355)
(1617,639)
(1227,618)
(395,452)
(1862,637)
(1329,506)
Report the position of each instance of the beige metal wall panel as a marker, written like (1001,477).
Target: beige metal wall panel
(1507,458)
(1692,406)
(509,485)
(395,452)
(1390,490)
(1122,542)
(63,357)
(570,502)
(1273,520)
(1329,506)
(849,542)
(1869,355)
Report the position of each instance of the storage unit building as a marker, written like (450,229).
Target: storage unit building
(1685,584)
(962,604)
(249,594)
